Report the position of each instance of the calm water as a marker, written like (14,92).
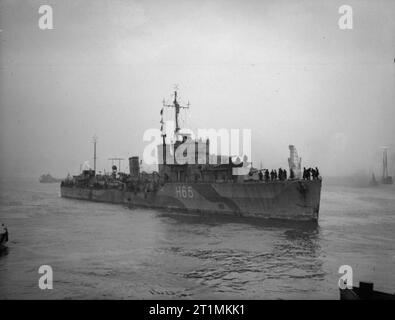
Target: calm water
(104,251)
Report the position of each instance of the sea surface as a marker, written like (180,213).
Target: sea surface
(104,251)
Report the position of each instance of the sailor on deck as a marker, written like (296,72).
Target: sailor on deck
(267,176)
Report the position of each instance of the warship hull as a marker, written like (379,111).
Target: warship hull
(291,199)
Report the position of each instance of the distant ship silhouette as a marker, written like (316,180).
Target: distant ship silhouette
(47,178)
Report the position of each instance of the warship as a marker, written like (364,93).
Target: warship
(200,186)
(47,178)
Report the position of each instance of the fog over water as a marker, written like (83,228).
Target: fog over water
(283,69)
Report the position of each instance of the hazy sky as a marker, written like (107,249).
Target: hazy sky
(283,69)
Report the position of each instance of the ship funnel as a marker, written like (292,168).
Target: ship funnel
(134,167)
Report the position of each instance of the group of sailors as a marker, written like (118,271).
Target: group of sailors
(282,174)
(274,175)
(311,173)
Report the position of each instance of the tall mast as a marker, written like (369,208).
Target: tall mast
(163,134)
(177,108)
(94,152)
(176,111)
(385,165)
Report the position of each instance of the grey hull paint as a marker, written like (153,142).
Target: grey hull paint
(291,200)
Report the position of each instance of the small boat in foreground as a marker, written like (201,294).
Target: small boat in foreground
(3,235)
(364,292)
